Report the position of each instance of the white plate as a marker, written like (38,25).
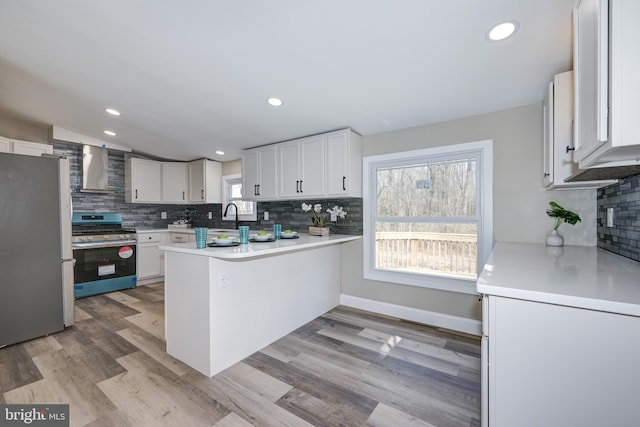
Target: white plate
(262,238)
(223,242)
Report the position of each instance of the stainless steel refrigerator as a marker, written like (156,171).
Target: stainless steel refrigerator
(36,259)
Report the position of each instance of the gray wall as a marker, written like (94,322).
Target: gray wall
(519,201)
(624,237)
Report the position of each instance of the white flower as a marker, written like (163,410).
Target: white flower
(306,207)
(317,208)
(337,211)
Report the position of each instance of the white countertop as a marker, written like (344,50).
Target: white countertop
(578,276)
(258,249)
(184,230)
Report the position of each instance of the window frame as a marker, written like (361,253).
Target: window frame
(484,152)
(227,181)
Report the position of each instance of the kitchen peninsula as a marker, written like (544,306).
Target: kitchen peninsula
(224,303)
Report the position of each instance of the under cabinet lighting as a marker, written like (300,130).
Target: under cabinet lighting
(112,111)
(219,152)
(110,133)
(502,31)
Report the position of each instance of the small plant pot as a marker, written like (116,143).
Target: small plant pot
(554,239)
(319,231)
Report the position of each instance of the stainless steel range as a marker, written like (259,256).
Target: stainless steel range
(105,254)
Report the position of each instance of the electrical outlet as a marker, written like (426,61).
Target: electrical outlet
(163,215)
(266,215)
(610,217)
(223,279)
(210,215)
(334,217)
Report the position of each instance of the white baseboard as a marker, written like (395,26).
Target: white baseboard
(440,320)
(149,281)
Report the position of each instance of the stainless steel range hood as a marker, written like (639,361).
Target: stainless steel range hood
(95,169)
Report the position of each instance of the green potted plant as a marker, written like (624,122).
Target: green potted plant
(560,215)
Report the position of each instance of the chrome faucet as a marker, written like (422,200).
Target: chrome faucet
(227,208)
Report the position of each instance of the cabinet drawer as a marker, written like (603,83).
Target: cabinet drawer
(180,238)
(150,238)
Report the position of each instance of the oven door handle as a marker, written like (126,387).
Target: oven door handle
(91,245)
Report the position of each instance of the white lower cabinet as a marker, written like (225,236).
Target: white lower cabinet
(150,261)
(554,365)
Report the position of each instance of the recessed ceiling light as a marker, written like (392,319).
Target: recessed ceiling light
(110,133)
(112,111)
(502,31)
(220,152)
(274,102)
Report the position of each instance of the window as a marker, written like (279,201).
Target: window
(428,216)
(247,211)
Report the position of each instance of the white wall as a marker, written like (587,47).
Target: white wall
(519,203)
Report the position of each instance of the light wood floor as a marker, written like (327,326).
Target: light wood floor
(346,368)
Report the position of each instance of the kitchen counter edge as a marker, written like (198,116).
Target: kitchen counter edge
(254,250)
(582,276)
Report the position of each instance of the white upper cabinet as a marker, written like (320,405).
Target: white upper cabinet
(175,182)
(143,181)
(319,166)
(607,88)
(26,148)
(302,167)
(5,145)
(558,133)
(205,181)
(259,173)
(344,164)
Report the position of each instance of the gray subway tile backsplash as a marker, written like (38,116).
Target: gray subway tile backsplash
(624,237)
(288,213)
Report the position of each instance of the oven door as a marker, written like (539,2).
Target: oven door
(104,267)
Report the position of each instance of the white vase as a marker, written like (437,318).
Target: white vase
(554,239)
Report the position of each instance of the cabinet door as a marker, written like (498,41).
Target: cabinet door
(289,160)
(312,166)
(149,261)
(337,163)
(174,182)
(146,180)
(547,136)
(31,148)
(579,365)
(590,26)
(196,181)
(250,172)
(5,145)
(268,173)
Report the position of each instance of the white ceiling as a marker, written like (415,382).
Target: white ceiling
(191,77)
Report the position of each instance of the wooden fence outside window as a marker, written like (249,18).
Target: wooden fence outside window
(431,253)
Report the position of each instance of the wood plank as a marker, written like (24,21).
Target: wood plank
(150,394)
(88,357)
(247,404)
(16,368)
(155,348)
(105,338)
(64,381)
(233,420)
(384,416)
(150,322)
